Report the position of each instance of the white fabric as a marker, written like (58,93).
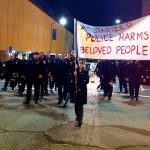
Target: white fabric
(130,41)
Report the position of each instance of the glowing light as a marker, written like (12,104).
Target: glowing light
(63,21)
(117,21)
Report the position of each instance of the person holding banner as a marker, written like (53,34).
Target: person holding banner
(81,91)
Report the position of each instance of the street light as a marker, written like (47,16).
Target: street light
(117,21)
(63,22)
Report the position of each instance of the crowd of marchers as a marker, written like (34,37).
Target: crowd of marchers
(68,76)
(61,74)
(130,73)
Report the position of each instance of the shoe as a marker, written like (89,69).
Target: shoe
(46,94)
(26,103)
(3,89)
(79,124)
(17,94)
(126,92)
(59,103)
(109,98)
(21,94)
(36,102)
(71,101)
(76,119)
(136,98)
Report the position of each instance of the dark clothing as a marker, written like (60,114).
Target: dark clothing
(79,112)
(23,65)
(61,79)
(44,81)
(98,69)
(98,72)
(122,76)
(109,74)
(81,94)
(108,89)
(52,71)
(69,74)
(9,69)
(82,81)
(15,78)
(56,61)
(34,69)
(17,62)
(36,83)
(22,76)
(135,73)
(71,77)
(1,69)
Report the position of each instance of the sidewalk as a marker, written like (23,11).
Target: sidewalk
(116,125)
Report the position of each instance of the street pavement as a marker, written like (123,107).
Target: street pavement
(119,124)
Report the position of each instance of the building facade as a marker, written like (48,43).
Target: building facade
(26,28)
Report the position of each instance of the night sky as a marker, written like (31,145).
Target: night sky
(92,12)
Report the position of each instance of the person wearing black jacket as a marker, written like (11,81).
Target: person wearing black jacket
(56,61)
(22,75)
(121,72)
(135,74)
(80,91)
(34,76)
(98,72)
(108,75)
(16,75)
(51,73)
(46,70)
(61,78)
(1,69)
(9,71)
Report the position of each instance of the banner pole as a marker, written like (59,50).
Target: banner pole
(76,52)
(75,37)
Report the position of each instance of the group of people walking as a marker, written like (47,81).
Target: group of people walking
(61,74)
(129,73)
(68,75)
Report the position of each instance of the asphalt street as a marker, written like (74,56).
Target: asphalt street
(119,124)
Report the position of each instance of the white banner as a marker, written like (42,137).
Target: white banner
(130,41)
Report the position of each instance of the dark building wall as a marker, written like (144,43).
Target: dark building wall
(145,7)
